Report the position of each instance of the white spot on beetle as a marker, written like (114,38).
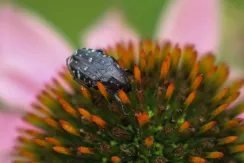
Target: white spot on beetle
(85,68)
(90,60)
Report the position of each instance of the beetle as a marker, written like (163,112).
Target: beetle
(87,66)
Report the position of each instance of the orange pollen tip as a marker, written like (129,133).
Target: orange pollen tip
(233,123)
(227,140)
(85,150)
(233,97)
(184,126)
(165,68)
(237,148)
(214,155)
(189,99)
(33,133)
(86,93)
(40,142)
(149,141)
(85,113)
(196,159)
(115,159)
(220,95)
(137,74)
(170,91)
(99,121)
(207,126)
(30,155)
(69,128)
(237,85)
(103,90)
(53,141)
(23,139)
(218,110)
(61,149)
(194,71)
(51,122)
(69,110)
(197,82)
(62,101)
(123,97)
(142,118)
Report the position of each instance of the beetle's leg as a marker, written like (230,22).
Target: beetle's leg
(119,100)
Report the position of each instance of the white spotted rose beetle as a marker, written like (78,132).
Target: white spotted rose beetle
(87,66)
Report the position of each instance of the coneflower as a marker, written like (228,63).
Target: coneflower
(176,112)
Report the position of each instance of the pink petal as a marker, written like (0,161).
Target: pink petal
(110,29)
(192,21)
(8,129)
(30,53)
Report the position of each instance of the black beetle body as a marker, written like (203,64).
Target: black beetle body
(88,66)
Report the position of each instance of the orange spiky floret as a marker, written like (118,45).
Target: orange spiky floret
(207,126)
(85,93)
(69,128)
(219,110)
(189,99)
(62,150)
(194,71)
(85,150)
(142,118)
(184,126)
(103,90)
(170,91)
(40,142)
(85,113)
(51,122)
(99,121)
(214,155)
(227,140)
(137,73)
(196,159)
(53,141)
(165,67)
(149,141)
(115,159)
(123,97)
(176,112)
(237,148)
(220,95)
(197,82)
(70,110)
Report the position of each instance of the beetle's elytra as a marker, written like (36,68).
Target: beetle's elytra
(87,66)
